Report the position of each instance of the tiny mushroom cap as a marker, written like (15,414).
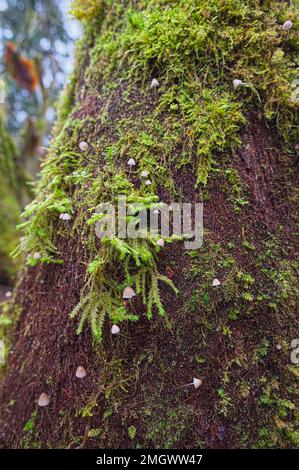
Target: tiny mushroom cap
(216,282)
(287,25)
(156,211)
(131,162)
(83,146)
(161,242)
(144,174)
(37,255)
(128,293)
(154,83)
(148,182)
(43,400)
(81,372)
(65,216)
(237,83)
(8,294)
(278,346)
(197,383)
(115,329)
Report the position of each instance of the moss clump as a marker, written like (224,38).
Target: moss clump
(196,46)
(87,10)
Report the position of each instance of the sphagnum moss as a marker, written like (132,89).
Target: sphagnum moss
(195,50)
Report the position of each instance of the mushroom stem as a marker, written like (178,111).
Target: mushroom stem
(185,385)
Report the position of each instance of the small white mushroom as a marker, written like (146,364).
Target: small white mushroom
(144,174)
(148,182)
(197,382)
(216,282)
(156,211)
(81,372)
(161,242)
(65,216)
(287,25)
(115,329)
(8,294)
(43,400)
(278,347)
(83,146)
(154,83)
(37,255)
(237,83)
(131,162)
(128,293)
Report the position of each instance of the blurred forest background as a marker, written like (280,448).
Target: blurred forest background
(36,56)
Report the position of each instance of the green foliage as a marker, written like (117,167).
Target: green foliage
(30,440)
(9,204)
(224,401)
(167,422)
(132,432)
(43,212)
(134,260)
(237,190)
(214,121)
(87,10)
(261,352)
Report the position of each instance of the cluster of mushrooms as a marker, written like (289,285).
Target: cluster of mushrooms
(128,294)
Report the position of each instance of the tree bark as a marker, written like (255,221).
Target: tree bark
(235,337)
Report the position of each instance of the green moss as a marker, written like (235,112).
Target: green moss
(134,262)
(167,425)
(30,439)
(195,48)
(282,431)
(87,10)
(9,205)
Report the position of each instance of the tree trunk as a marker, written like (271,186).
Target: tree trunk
(202,138)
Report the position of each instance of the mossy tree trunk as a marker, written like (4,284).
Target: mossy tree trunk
(201,137)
